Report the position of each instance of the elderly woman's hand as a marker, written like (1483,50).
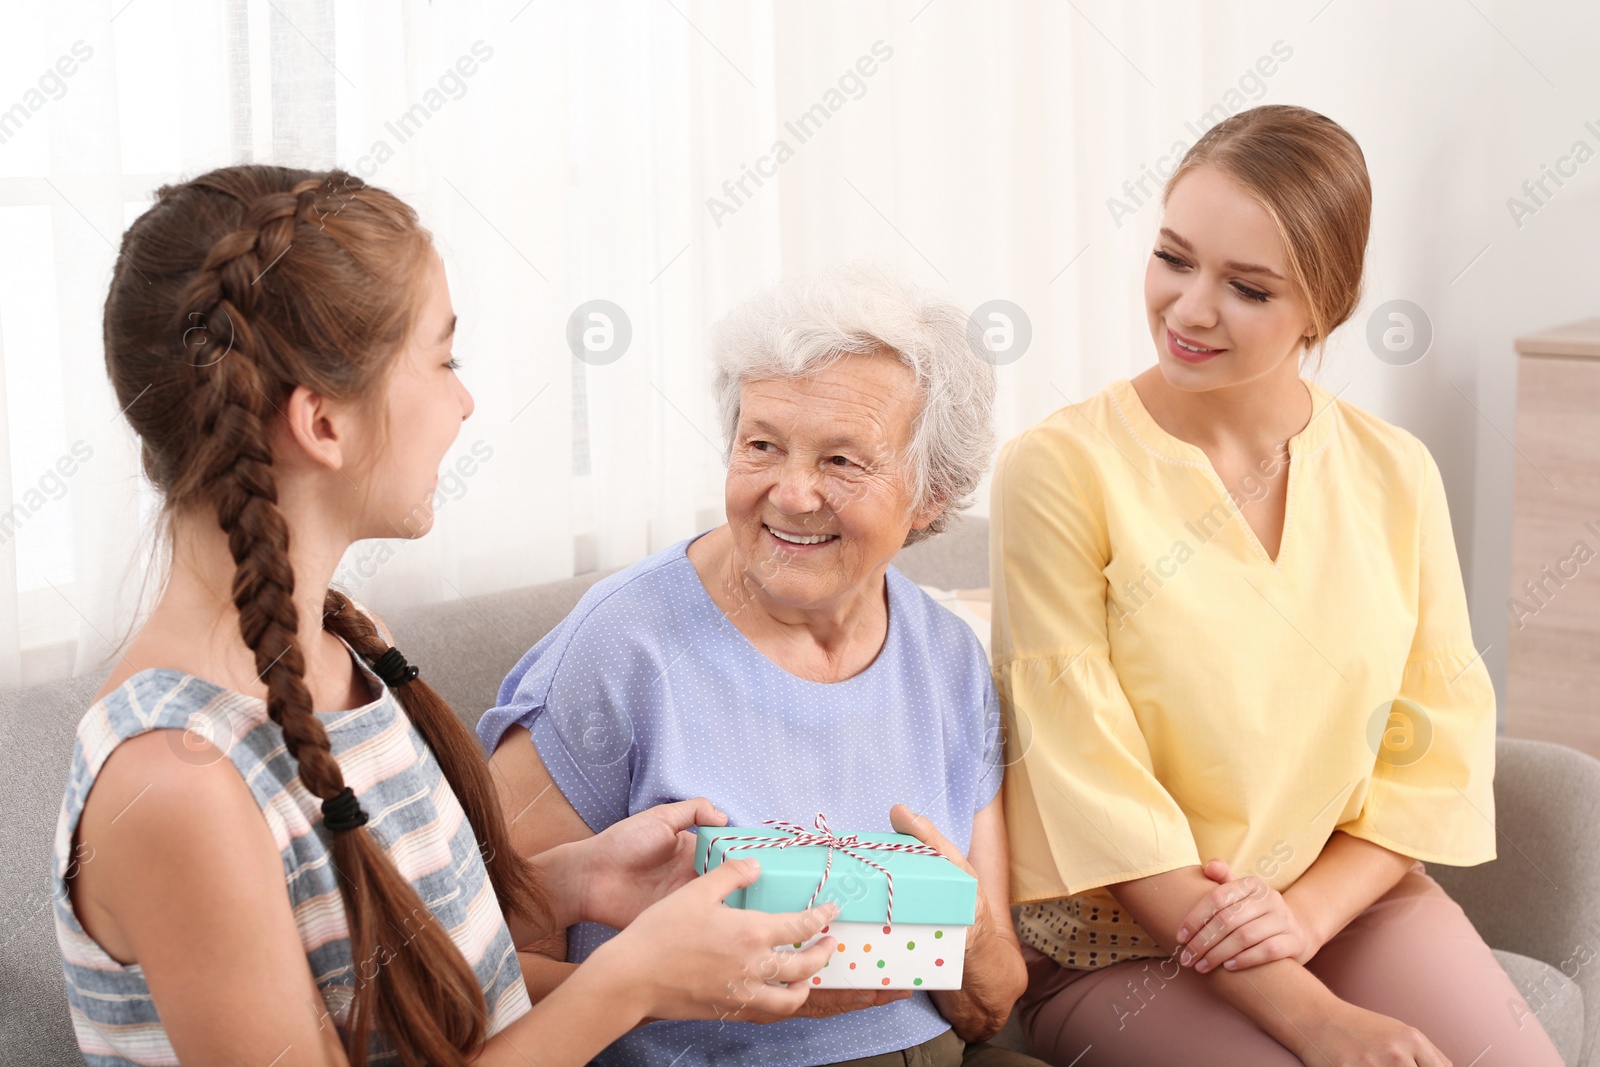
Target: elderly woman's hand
(635,862)
(994,975)
(906,821)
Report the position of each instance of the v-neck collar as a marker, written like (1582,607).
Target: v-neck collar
(1312,438)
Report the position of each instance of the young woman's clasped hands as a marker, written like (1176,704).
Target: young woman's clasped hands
(1241,923)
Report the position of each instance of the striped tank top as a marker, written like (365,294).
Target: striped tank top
(414,816)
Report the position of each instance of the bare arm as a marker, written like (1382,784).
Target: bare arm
(685,957)
(1341,883)
(1273,995)
(539,819)
(179,856)
(174,855)
(1245,922)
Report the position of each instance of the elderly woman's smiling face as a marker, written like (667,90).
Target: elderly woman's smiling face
(820,493)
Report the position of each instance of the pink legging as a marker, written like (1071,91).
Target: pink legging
(1413,955)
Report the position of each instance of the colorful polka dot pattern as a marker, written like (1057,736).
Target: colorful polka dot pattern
(895,964)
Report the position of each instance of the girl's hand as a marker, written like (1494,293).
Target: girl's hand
(1242,923)
(689,957)
(638,861)
(1350,1036)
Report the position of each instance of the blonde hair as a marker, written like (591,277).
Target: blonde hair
(1310,176)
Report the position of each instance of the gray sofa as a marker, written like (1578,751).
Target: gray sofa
(1538,905)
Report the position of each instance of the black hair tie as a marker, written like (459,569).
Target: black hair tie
(343,812)
(393,668)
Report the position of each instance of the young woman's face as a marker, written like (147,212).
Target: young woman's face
(425,407)
(1221,307)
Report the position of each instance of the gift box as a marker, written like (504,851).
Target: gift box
(904,910)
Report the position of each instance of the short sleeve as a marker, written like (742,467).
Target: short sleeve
(1432,790)
(1083,806)
(578,717)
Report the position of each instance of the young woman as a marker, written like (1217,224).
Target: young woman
(1229,616)
(279,845)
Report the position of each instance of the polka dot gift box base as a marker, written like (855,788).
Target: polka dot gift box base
(904,910)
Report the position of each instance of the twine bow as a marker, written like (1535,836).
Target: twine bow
(851,845)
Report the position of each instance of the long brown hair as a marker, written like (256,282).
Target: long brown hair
(233,289)
(1310,175)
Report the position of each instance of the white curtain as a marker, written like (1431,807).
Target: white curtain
(669,156)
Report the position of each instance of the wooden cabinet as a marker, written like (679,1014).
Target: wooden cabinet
(1553,668)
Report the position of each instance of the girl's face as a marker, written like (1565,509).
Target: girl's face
(424,409)
(1222,309)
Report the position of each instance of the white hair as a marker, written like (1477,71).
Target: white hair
(798,327)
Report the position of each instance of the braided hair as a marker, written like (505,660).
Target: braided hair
(233,289)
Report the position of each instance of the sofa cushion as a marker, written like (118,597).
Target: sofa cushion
(955,559)
(37,727)
(1553,997)
(465,648)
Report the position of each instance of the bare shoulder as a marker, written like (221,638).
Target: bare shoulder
(174,779)
(161,646)
(148,649)
(165,826)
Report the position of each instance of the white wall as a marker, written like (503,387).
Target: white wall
(582,162)
(1003,131)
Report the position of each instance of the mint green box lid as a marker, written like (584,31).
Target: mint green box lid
(927,889)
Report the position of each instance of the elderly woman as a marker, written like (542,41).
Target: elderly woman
(779,665)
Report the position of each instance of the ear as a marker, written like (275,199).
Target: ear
(316,428)
(928,512)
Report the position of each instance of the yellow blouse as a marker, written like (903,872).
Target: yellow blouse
(1172,695)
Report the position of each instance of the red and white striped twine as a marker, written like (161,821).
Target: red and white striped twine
(826,838)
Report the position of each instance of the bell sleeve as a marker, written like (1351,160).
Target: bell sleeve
(1083,806)
(1431,795)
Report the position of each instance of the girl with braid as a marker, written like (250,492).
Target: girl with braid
(278,845)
